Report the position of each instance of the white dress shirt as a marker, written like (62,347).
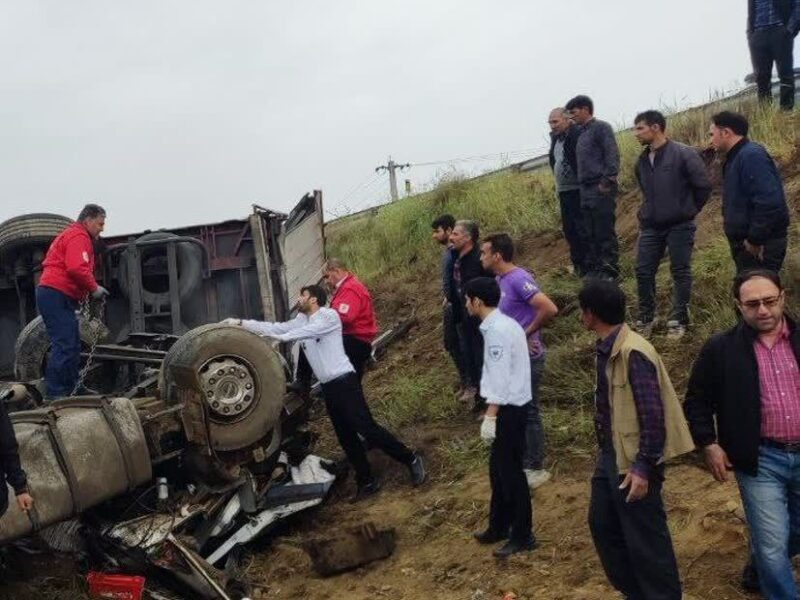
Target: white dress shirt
(320,335)
(506,377)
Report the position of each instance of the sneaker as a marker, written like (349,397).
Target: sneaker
(675,330)
(468,395)
(490,536)
(537,477)
(367,490)
(749,581)
(510,548)
(645,329)
(417,470)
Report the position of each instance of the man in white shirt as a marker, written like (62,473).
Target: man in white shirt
(506,385)
(319,331)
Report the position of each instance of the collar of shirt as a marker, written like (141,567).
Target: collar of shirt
(341,281)
(490,318)
(782,335)
(604,346)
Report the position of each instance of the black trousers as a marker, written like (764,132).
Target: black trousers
(575,232)
(632,539)
(350,416)
(774,253)
(452,343)
(510,507)
(599,215)
(471,340)
(358,351)
(773,45)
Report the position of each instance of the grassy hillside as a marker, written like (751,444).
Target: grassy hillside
(392,251)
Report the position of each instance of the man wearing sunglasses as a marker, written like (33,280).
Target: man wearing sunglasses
(747,379)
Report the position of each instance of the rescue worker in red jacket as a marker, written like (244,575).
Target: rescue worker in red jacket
(67,279)
(352,300)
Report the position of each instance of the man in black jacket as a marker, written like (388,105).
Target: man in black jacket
(743,409)
(467,266)
(754,211)
(10,468)
(564,163)
(771,28)
(675,187)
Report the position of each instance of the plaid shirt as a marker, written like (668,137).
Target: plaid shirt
(643,378)
(779,382)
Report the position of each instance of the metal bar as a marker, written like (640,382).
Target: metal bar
(239,241)
(174,298)
(136,303)
(116,357)
(180,239)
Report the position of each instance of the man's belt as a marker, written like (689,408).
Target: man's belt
(793,447)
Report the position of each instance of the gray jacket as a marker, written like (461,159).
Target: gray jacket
(675,187)
(598,154)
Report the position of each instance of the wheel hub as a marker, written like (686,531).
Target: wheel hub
(228,386)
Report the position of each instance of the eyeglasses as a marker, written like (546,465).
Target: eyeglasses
(770,302)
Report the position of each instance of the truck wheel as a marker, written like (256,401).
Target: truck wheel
(155,286)
(33,229)
(241,379)
(33,344)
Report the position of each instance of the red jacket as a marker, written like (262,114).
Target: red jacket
(354,305)
(69,263)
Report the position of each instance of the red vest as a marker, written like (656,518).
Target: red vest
(354,304)
(69,264)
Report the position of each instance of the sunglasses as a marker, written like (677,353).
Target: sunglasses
(769,302)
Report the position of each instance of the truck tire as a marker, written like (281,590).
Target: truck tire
(33,344)
(227,360)
(190,270)
(31,229)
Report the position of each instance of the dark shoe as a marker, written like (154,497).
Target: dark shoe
(510,548)
(750,578)
(367,490)
(489,537)
(417,470)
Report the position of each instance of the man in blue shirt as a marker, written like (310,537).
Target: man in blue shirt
(771,28)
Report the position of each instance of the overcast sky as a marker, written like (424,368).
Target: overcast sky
(175,113)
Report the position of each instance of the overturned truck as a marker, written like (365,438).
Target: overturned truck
(193,443)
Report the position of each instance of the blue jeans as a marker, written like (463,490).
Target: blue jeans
(58,313)
(679,239)
(772,505)
(534,431)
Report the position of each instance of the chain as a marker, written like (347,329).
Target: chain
(85,312)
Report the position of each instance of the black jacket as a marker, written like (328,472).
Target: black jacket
(753,203)
(785,10)
(675,187)
(724,385)
(570,137)
(470,268)
(10,468)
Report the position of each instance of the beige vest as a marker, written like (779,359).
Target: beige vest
(624,422)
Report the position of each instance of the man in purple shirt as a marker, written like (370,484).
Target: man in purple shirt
(522,300)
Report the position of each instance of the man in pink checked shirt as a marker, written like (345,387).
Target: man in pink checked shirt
(743,409)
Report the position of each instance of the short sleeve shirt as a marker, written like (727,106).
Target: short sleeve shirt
(517,287)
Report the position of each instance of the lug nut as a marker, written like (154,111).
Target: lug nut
(248,386)
(242,375)
(212,381)
(220,372)
(210,394)
(226,410)
(215,404)
(238,407)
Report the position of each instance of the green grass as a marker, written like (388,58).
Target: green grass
(418,397)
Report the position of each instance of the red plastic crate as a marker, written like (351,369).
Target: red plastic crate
(115,587)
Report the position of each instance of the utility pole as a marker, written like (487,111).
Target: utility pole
(392,167)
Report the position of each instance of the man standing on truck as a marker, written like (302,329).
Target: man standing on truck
(319,331)
(68,279)
(352,300)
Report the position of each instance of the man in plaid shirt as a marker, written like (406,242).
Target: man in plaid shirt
(743,407)
(639,424)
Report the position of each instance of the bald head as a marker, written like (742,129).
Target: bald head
(559,120)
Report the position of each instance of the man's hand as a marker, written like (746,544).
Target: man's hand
(534,345)
(232,321)
(25,501)
(488,428)
(717,461)
(100,292)
(757,251)
(639,486)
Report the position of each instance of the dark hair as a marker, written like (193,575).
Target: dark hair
(604,299)
(652,117)
(471,227)
(730,120)
(746,276)
(91,211)
(316,291)
(502,244)
(444,221)
(581,101)
(484,289)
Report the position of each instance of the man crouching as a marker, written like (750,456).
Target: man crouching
(506,385)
